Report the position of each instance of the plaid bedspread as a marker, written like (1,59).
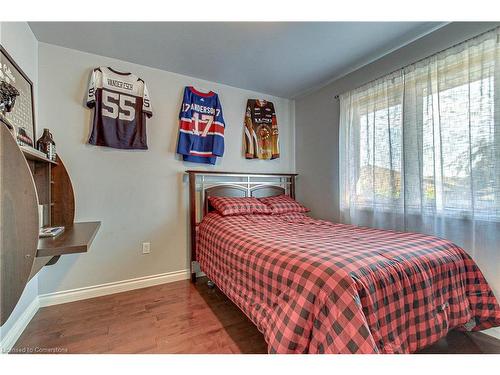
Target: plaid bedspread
(311,286)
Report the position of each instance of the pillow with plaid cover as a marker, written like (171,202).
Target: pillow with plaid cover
(283,204)
(227,206)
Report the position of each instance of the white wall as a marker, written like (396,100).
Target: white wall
(20,43)
(138,195)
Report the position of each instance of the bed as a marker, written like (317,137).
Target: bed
(313,286)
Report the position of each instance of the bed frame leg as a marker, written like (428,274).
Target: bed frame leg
(193,277)
(210,284)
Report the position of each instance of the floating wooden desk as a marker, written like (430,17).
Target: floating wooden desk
(30,179)
(75,239)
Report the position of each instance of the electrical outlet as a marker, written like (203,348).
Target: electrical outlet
(146,247)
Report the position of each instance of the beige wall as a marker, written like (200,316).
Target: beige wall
(20,43)
(139,196)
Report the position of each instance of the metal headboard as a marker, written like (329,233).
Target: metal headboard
(203,184)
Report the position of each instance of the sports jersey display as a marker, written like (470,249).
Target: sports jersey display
(201,127)
(261,130)
(121,102)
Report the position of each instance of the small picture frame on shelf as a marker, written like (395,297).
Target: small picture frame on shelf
(19,115)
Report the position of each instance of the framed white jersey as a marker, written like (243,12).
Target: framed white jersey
(121,105)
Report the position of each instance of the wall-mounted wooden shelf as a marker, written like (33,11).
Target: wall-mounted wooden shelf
(75,239)
(29,180)
(31,154)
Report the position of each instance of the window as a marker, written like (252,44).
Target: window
(426,140)
(466,143)
(420,150)
(379,179)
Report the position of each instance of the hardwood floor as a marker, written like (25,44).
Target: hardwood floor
(172,318)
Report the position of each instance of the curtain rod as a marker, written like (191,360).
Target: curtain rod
(426,57)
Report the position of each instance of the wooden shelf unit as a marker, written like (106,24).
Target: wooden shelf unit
(30,179)
(31,154)
(75,239)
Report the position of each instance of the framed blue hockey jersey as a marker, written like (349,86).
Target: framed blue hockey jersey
(201,127)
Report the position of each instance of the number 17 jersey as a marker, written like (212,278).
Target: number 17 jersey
(201,127)
(122,103)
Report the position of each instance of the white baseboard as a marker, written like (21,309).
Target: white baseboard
(72,295)
(18,327)
(93,291)
(493,332)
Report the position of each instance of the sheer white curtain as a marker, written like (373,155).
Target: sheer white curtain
(420,150)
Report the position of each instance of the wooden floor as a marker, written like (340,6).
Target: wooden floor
(172,318)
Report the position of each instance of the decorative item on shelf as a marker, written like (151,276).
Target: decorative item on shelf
(23,138)
(47,145)
(50,231)
(16,100)
(40,215)
(261,130)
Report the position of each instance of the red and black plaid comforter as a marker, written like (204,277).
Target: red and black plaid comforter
(312,286)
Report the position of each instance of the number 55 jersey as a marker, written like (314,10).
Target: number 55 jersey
(201,127)
(121,102)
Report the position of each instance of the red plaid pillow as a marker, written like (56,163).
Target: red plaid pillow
(238,206)
(282,204)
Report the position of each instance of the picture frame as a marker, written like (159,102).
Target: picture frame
(22,116)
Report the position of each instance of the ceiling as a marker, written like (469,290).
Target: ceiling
(285,59)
